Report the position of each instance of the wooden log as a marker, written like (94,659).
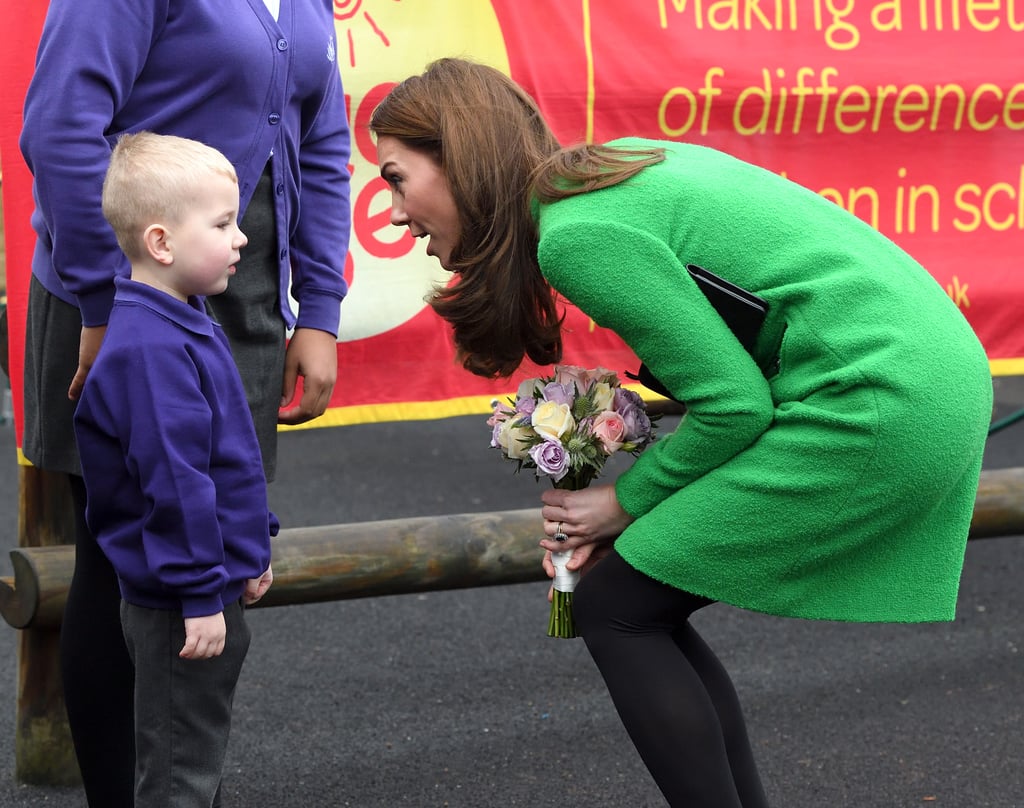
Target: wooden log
(999,506)
(43,752)
(35,597)
(401,556)
(333,562)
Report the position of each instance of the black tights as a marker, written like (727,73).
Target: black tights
(97,672)
(675,699)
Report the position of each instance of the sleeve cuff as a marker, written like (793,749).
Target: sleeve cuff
(202,606)
(322,312)
(96,305)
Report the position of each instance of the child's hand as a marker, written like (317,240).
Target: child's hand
(256,588)
(204,636)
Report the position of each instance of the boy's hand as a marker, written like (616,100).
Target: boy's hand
(204,637)
(256,588)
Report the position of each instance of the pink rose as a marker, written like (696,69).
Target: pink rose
(609,377)
(610,429)
(573,374)
(500,413)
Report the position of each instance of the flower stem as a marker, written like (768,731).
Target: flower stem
(561,623)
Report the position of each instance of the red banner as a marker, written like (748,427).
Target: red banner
(22,22)
(906,112)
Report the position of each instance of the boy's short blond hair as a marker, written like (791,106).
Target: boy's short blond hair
(155,178)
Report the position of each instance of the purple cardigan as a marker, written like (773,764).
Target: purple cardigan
(176,493)
(219,71)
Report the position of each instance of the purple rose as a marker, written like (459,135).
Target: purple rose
(630,405)
(559,393)
(526,406)
(624,396)
(551,459)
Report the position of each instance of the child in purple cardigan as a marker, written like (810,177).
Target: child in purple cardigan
(176,491)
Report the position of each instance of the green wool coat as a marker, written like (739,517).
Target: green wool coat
(833,473)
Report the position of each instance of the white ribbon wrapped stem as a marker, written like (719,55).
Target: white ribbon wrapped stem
(565,580)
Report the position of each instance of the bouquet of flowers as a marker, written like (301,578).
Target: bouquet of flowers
(566,426)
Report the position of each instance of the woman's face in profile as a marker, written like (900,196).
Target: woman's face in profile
(420,196)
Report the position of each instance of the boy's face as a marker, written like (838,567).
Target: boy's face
(207,241)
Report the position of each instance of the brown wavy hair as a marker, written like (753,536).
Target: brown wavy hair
(496,152)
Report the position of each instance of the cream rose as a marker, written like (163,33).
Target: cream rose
(604,396)
(515,436)
(552,420)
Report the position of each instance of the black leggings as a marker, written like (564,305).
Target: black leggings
(675,699)
(97,672)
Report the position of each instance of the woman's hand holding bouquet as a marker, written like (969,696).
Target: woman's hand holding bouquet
(590,519)
(566,426)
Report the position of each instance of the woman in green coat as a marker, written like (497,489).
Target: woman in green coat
(828,469)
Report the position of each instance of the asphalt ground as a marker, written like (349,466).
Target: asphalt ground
(458,699)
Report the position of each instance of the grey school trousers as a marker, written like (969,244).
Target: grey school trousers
(182,707)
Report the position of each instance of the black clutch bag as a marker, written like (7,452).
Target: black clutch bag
(742,311)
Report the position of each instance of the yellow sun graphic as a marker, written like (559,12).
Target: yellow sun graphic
(382,42)
(345,10)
